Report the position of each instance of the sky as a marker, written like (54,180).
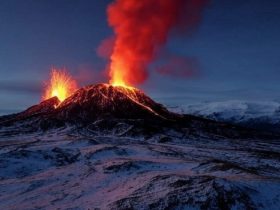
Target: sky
(236,46)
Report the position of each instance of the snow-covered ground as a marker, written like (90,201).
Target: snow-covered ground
(81,169)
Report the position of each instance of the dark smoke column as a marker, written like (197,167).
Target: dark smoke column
(141,27)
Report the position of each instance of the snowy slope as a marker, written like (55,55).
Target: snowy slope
(118,168)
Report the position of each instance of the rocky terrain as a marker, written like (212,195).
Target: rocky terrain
(112,148)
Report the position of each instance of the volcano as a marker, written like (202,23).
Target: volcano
(106,101)
(98,101)
(89,104)
(114,104)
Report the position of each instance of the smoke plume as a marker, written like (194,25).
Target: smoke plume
(141,27)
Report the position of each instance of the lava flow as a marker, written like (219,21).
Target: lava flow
(102,100)
(61,85)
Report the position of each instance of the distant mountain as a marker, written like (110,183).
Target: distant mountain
(257,115)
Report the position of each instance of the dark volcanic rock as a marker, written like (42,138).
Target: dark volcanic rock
(46,106)
(187,192)
(36,111)
(106,109)
(89,104)
(103,100)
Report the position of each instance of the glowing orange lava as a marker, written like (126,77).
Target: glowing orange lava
(141,28)
(117,74)
(61,85)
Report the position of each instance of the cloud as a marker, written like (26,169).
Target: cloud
(182,67)
(87,74)
(33,87)
(105,49)
(141,29)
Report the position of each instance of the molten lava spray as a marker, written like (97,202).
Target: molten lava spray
(141,27)
(61,85)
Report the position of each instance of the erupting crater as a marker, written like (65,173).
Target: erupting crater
(61,85)
(91,103)
(105,100)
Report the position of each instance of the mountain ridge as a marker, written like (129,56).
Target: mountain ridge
(263,115)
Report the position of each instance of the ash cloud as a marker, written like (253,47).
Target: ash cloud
(181,67)
(106,47)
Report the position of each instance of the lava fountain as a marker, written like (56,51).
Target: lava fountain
(140,29)
(61,85)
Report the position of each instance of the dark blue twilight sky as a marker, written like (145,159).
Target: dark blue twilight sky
(237,45)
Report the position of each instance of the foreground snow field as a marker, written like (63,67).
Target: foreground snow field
(73,168)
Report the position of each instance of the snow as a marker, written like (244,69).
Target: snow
(235,109)
(259,115)
(65,170)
